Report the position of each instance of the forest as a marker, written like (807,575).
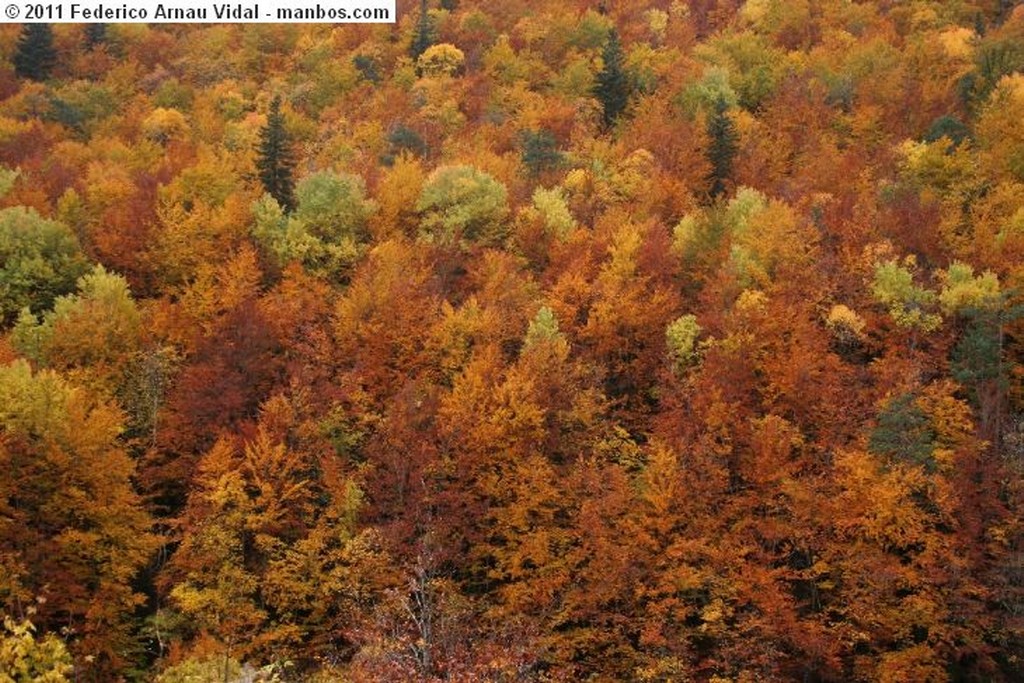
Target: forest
(532,340)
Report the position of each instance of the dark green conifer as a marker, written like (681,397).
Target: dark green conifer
(722,147)
(275,162)
(35,56)
(424,36)
(95,35)
(612,86)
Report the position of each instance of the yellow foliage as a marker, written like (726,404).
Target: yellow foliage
(957,42)
(443,59)
(162,125)
(844,323)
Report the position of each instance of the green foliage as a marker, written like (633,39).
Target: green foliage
(368,68)
(202,670)
(539,151)
(950,127)
(95,35)
(8,176)
(704,95)
(722,146)
(94,330)
(745,67)
(977,356)
(701,233)
(462,205)
(681,340)
(35,56)
(405,139)
(963,290)
(994,59)
(908,305)
(40,259)
(333,206)
(543,328)
(27,659)
(423,37)
(275,161)
(904,433)
(326,228)
(611,87)
(554,211)
(593,31)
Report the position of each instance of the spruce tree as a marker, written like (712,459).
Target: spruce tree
(612,87)
(722,148)
(275,162)
(424,33)
(35,55)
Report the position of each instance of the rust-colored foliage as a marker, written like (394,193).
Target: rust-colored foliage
(513,394)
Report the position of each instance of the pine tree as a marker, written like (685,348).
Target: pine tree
(35,55)
(424,33)
(612,87)
(722,149)
(275,161)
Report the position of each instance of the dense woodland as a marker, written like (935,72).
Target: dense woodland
(643,340)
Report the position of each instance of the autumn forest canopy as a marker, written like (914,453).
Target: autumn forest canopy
(642,340)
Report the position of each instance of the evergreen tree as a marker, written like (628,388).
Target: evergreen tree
(95,35)
(35,55)
(612,87)
(275,161)
(722,150)
(539,151)
(424,33)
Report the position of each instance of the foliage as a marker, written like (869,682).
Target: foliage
(903,432)
(79,545)
(908,304)
(462,205)
(275,162)
(325,230)
(35,55)
(554,211)
(540,151)
(25,659)
(423,37)
(443,59)
(722,147)
(41,259)
(681,337)
(94,331)
(611,86)
(673,341)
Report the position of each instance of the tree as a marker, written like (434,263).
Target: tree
(325,230)
(26,659)
(612,86)
(275,161)
(40,259)
(722,147)
(95,35)
(539,151)
(423,37)
(90,335)
(72,530)
(441,60)
(462,204)
(35,56)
